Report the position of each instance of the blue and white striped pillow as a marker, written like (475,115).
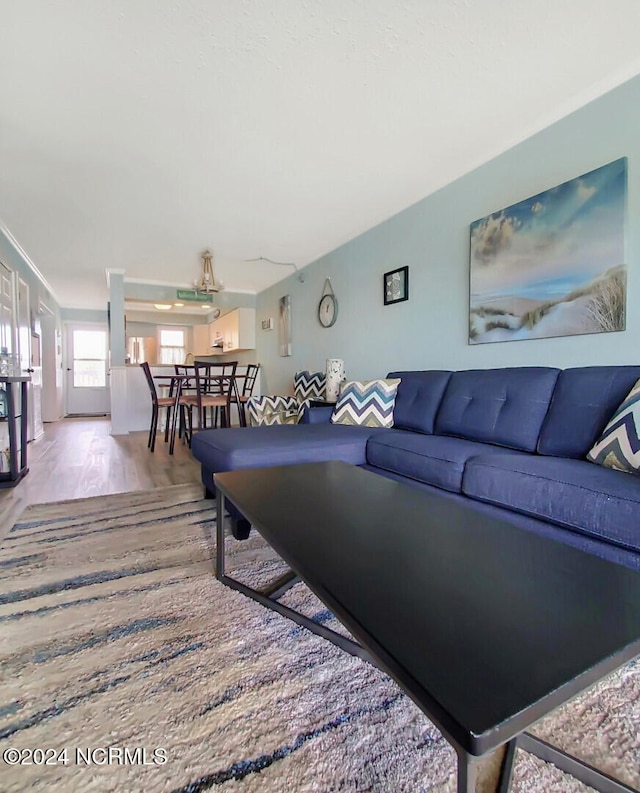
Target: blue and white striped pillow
(619,445)
(366,403)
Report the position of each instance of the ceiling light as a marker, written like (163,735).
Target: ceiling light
(206,306)
(162,306)
(178,305)
(207,283)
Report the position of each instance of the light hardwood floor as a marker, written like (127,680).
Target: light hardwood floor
(77,457)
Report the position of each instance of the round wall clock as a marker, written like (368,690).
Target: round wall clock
(328,307)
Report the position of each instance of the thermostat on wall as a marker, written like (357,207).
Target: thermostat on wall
(267,324)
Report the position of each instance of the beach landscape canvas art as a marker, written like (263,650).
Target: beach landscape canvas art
(554,264)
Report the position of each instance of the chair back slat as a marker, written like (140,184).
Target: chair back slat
(250,378)
(184,369)
(215,380)
(152,386)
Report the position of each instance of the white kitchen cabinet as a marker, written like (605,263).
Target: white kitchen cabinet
(234,331)
(201,340)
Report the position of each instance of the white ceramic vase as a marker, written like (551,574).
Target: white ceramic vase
(335,377)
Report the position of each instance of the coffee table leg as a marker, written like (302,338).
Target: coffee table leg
(590,776)
(489,774)
(269,595)
(219,534)
(467,773)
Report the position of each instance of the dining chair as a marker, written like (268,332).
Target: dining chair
(187,387)
(243,394)
(157,402)
(215,387)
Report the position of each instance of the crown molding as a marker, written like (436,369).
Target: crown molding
(27,260)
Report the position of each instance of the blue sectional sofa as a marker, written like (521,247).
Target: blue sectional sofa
(511,442)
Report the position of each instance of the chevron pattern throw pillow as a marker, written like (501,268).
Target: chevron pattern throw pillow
(368,403)
(269,410)
(309,385)
(619,445)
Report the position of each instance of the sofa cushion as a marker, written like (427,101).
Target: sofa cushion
(597,501)
(252,447)
(619,445)
(366,403)
(418,399)
(583,401)
(502,406)
(432,459)
(319,414)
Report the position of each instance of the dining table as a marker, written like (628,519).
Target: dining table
(177,383)
(225,382)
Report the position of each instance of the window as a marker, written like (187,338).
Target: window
(171,346)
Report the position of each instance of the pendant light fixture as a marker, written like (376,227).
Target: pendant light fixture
(206,284)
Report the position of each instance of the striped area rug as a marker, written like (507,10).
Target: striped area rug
(125,666)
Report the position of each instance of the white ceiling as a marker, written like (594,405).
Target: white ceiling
(136,133)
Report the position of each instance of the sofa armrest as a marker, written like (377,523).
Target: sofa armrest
(317,415)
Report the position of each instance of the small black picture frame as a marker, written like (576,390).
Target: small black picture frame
(395,285)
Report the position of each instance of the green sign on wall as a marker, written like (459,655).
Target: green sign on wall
(191,294)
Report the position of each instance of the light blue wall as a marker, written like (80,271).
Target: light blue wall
(117,344)
(84,315)
(430,330)
(14,260)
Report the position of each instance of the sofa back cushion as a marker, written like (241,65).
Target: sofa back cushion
(584,400)
(418,398)
(502,406)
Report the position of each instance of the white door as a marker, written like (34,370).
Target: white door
(53,374)
(6,346)
(6,309)
(34,391)
(36,427)
(87,376)
(24,325)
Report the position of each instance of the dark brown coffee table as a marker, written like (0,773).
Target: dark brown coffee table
(485,626)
